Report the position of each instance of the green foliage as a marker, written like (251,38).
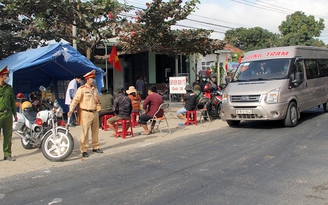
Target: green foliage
(152,31)
(222,73)
(251,39)
(26,23)
(214,69)
(299,29)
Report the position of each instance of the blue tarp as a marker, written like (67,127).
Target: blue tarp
(48,66)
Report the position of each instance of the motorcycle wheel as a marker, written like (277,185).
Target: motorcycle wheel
(57,148)
(26,144)
(218,110)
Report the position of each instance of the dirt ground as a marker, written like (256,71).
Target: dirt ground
(33,159)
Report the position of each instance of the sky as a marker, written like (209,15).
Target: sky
(223,15)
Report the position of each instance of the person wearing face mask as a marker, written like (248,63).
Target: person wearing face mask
(7,111)
(88,97)
(202,82)
(70,93)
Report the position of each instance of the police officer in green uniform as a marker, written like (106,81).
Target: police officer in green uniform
(7,111)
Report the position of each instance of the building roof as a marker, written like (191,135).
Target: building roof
(232,48)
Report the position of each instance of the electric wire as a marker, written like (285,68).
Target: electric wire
(259,4)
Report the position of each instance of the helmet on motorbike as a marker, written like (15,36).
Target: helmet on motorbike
(26,105)
(207,87)
(20,96)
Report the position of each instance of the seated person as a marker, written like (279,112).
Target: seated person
(106,104)
(285,70)
(135,98)
(150,106)
(122,106)
(261,70)
(189,100)
(268,70)
(199,95)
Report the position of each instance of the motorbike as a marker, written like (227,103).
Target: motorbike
(39,103)
(215,96)
(44,129)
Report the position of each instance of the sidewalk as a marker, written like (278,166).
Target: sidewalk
(31,160)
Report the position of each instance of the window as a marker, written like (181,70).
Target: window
(323,67)
(62,86)
(299,67)
(311,68)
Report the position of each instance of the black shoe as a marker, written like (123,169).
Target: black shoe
(97,151)
(71,125)
(9,158)
(85,154)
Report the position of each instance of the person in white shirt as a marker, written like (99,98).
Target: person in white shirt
(70,93)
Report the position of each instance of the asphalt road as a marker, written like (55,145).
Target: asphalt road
(256,163)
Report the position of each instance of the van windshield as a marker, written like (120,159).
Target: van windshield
(262,70)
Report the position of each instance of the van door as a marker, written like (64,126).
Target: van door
(314,83)
(300,90)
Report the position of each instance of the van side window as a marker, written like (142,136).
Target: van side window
(298,67)
(311,68)
(323,67)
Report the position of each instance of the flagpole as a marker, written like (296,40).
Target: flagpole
(106,66)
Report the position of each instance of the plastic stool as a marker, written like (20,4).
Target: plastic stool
(134,118)
(104,121)
(191,117)
(123,133)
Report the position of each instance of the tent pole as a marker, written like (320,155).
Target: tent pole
(106,67)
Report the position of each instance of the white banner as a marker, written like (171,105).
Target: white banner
(177,85)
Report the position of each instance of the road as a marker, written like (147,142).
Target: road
(255,163)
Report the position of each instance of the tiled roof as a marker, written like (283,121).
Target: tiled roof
(232,48)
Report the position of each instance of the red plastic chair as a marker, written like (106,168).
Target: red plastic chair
(104,121)
(134,118)
(191,117)
(123,132)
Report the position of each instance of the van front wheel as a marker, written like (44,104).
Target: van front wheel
(325,107)
(291,118)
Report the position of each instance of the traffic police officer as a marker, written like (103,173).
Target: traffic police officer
(87,96)
(7,111)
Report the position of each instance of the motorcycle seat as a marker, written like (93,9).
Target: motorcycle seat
(30,114)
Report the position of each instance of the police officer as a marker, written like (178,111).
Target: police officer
(87,96)
(7,111)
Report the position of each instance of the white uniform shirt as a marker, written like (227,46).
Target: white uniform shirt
(71,86)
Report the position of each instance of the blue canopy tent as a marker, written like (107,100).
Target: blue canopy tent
(51,66)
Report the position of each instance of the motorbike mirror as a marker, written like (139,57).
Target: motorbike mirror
(43,89)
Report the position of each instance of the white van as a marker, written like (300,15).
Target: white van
(277,84)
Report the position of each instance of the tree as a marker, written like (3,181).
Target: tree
(27,23)
(299,29)
(151,31)
(251,39)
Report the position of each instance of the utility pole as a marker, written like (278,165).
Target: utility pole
(105,42)
(74,36)
(74,33)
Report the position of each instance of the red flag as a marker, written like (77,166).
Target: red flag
(240,59)
(226,65)
(113,59)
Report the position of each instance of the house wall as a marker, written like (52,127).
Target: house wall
(118,77)
(204,62)
(152,68)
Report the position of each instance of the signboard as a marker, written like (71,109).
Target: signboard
(177,85)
